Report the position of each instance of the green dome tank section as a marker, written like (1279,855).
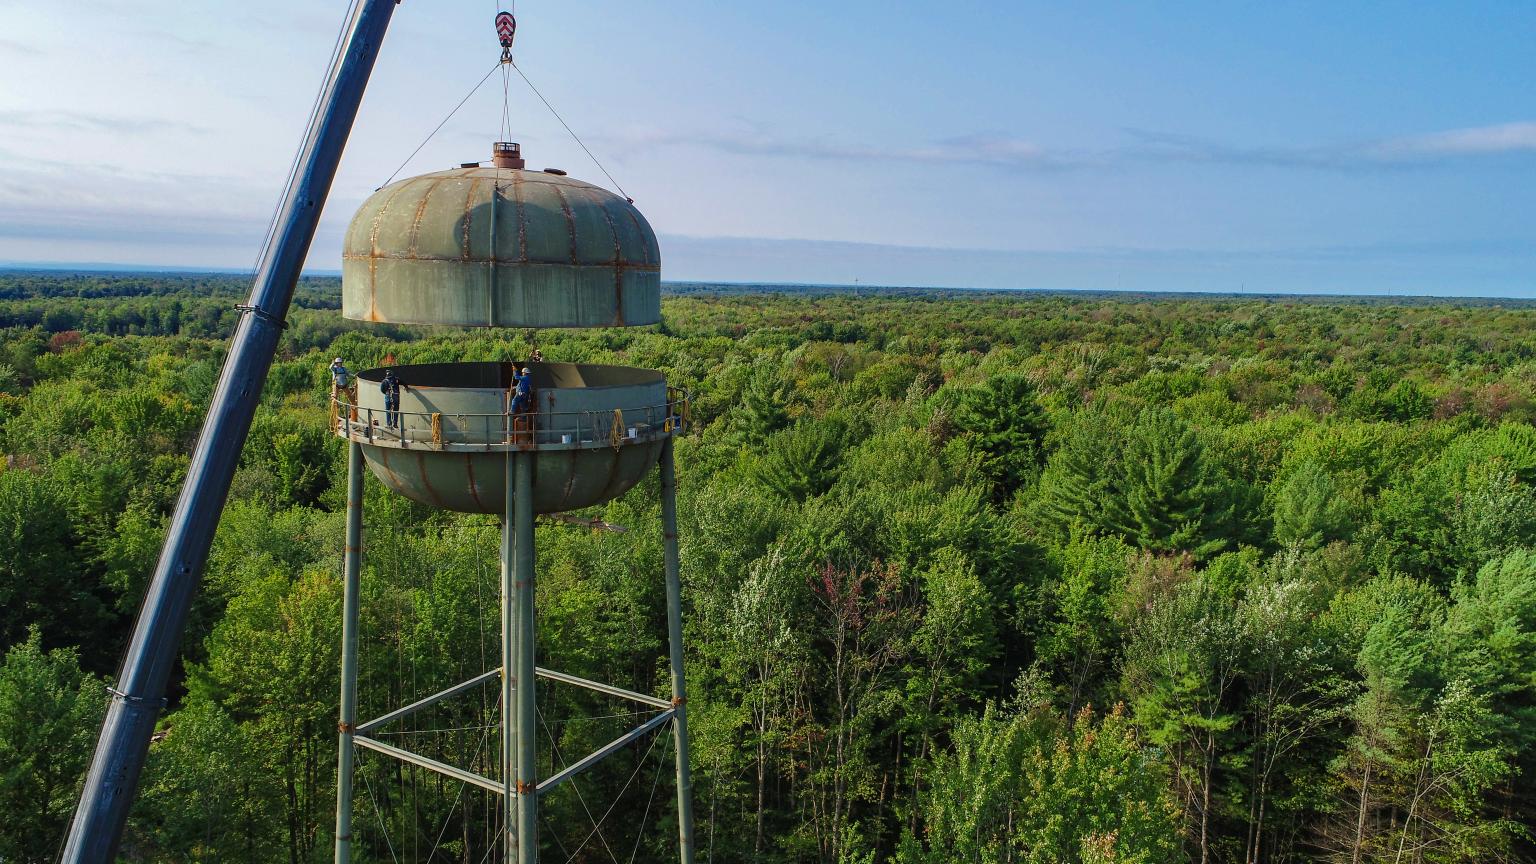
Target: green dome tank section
(500,247)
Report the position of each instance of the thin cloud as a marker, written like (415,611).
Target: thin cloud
(1013,153)
(992,149)
(10,46)
(1472,141)
(73,121)
(1411,150)
(199,46)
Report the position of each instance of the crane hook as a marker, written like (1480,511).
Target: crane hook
(506,28)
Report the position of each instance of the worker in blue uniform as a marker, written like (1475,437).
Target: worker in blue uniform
(522,393)
(390,387)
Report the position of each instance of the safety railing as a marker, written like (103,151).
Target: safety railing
(532,429)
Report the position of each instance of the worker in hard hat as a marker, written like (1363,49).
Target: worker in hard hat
(342,386)
(390,387)
(340,377)
(523,392)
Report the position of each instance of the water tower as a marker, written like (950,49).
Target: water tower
(498,245)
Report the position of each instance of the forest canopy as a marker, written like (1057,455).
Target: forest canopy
(967,576)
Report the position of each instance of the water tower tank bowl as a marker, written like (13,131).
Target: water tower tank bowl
(595,429)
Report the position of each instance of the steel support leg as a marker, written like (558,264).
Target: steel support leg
(508,670)
(675,640)
(352,563)
(527,767)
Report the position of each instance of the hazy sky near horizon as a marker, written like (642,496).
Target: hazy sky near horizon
(1306,146)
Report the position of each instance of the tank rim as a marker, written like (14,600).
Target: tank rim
(537,430)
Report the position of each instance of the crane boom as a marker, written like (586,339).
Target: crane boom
(138,696)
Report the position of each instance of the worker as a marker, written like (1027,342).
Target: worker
(536,357)
(340,379)
(523,383)
(390,387)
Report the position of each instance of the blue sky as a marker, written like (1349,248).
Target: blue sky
(1307,147)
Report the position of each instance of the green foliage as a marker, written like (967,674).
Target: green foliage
(1145,479)
(39,564)
(1037,787)
(764,405)
(803,462)
(1308,510)
(1084,635)
(1007,427)
(1294,538)
(1174,498)
(49,712)
(1489,641)
(216,765)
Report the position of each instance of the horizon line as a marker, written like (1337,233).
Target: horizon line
(111,269)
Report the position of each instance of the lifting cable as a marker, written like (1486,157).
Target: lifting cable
(439,126)
(314,109)
(504,61)
(568,128)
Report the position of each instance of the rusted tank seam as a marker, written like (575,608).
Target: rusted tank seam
(474,491)
(618,258)
(634,216)
(570,222)
(464,234)
(421,210)
(608,493)
(570,477)
(635,266)
(518,198)
(373,252)
(426,482)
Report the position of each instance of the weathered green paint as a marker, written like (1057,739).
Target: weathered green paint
(500,247)
(577,400)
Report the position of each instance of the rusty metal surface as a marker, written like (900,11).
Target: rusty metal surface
(563,253)
(576,463)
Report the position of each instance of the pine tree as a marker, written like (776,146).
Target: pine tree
(804,461)
(1307,509)
(1006,425)
(763,410)
(1173,499)
(1083,475)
